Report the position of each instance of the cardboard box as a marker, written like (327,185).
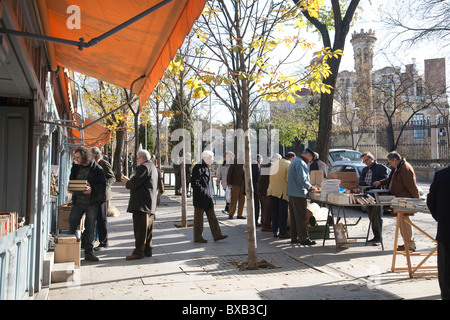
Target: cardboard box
(315,177)
(68,252)
(349,180)
(66,238)
(63,216)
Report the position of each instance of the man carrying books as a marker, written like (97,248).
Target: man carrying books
(88,199)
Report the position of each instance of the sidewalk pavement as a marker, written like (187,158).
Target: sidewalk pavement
(183,270)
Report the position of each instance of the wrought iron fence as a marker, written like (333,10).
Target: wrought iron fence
(415,143)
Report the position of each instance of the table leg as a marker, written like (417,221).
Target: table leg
(397,226)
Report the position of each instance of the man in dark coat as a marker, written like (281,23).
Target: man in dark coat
(370,174)
(438,201)
(102,217)
(88,200)
(236,179)
(256,172)
(203,199)
(143,197)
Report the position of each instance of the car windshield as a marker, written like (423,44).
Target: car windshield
(345,155)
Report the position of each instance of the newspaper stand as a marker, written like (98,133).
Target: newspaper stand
(413,271)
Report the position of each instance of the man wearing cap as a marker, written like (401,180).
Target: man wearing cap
(298,187)
(318,164)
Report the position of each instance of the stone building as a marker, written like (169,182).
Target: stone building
(418,103)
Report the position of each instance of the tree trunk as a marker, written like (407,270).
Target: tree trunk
(251,223)
(325,115)
(117,164)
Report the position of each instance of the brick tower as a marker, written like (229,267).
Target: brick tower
(363,44)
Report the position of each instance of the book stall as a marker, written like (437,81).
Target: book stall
(10,222)
(337,191)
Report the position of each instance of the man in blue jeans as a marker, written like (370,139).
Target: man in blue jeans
(88,200)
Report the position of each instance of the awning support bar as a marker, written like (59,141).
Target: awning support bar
(120,107)
(81,44)
(102,117)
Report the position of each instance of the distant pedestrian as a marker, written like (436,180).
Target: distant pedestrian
(438,201)
(263,185)
(161,188)
(102,217)
(228,158)
(298,187)
(203,199)
(318,164)
(256,172)
(236,179)
(279,200)
(142,204)
(88,200)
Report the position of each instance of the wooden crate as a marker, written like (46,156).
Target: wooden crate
(63,216)
(68,252)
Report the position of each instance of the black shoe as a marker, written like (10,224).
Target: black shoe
(295,241)
(241,217)
(221,237)
(148,254)
(230,217)
(101,247)
(89,256)
(374,241)
(308,242)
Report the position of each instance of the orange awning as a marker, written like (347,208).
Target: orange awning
(143,48)
(94,136)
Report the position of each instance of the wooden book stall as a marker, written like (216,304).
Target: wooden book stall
(419,269)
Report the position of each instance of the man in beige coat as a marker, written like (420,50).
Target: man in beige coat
(279,201)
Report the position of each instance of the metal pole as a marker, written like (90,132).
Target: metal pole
(81,44)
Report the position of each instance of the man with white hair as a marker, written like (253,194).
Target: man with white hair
(143,197)
(201,182)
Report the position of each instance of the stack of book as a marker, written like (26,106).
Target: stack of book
(77,185)
(339,198)
(329,186)
(8,222)
(410,203)
(362,199)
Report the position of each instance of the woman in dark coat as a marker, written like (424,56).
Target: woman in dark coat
(201,182)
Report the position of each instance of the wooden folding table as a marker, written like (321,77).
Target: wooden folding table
(413,271)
